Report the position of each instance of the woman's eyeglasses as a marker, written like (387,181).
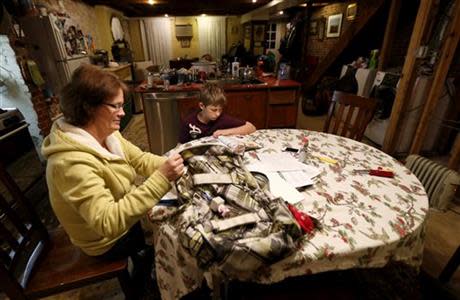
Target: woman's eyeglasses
(117,106)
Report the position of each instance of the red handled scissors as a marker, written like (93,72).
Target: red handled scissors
(376,172)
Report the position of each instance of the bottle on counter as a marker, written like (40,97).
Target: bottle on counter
(235,68)
(150,80)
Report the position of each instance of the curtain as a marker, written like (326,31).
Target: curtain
(211,34)
(158,35)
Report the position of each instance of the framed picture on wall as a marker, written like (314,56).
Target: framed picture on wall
(351,11)
(334,25)
(259,31)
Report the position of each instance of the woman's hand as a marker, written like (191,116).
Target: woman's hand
(173,167)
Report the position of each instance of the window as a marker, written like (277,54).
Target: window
(270,36)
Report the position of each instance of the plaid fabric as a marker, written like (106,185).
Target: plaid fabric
(259,229)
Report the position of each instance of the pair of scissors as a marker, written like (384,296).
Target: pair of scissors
(376,172)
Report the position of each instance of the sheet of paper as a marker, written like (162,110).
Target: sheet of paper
(171,195)
(281,188)
(298,178)
(279,162)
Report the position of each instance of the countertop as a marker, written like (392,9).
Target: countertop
(269,83)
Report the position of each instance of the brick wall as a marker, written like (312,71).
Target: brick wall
(370,37)
(320,46)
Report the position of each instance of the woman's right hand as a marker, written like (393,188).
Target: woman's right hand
(173,167)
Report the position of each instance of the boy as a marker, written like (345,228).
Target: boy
(210,120)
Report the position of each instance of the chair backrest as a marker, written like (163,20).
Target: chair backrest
(439,181)
(23,237)
(349,115)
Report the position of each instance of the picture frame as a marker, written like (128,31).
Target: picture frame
(334,25)
(352,10)
(259,32)
(313,27)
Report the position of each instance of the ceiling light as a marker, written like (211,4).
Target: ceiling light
(151,2)
(166,15)
(281,12)
(254,1)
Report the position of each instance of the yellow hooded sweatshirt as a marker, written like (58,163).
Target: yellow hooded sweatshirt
(92,190)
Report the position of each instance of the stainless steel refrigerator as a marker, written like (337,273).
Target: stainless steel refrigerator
(58,46)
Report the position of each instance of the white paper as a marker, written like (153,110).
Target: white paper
(298,178)
(170,195)
(279,162)
(281,188)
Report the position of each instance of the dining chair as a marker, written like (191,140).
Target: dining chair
(37,263)
(349,115)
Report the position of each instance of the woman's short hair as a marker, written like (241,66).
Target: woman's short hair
(212,94)
(88,88)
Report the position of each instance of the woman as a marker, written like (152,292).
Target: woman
(91,168)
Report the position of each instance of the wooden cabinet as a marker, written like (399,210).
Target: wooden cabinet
(249,106)
(282,108)
(186,106)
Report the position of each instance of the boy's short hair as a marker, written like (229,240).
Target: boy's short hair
(212,94)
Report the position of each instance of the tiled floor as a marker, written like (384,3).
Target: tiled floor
(442,238)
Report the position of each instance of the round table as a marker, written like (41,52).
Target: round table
(366,220)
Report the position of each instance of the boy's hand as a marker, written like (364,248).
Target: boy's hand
(218,133)
(173,167)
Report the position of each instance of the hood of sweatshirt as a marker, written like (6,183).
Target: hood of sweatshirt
(65,137)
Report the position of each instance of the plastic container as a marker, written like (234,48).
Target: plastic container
(150,80)
(235,68)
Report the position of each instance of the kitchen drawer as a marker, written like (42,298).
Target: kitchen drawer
(282,96)
(280,116)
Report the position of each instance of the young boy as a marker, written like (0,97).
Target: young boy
(210,120)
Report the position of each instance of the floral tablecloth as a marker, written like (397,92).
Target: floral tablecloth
(366,220)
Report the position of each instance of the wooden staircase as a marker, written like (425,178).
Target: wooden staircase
(370,7)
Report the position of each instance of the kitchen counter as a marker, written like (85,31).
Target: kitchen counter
(268,83)
(270,104)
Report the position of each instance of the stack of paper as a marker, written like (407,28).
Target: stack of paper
(284,178)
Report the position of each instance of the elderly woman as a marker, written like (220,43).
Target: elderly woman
(91,168)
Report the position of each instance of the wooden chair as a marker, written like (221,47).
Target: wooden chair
(35,263)
(342,118)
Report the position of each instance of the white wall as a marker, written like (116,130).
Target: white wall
(14,91)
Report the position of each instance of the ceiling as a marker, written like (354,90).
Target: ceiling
(141,8)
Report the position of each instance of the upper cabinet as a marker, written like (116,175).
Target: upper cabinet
(254,37)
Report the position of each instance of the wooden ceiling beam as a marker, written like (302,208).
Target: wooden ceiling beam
(407,76)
